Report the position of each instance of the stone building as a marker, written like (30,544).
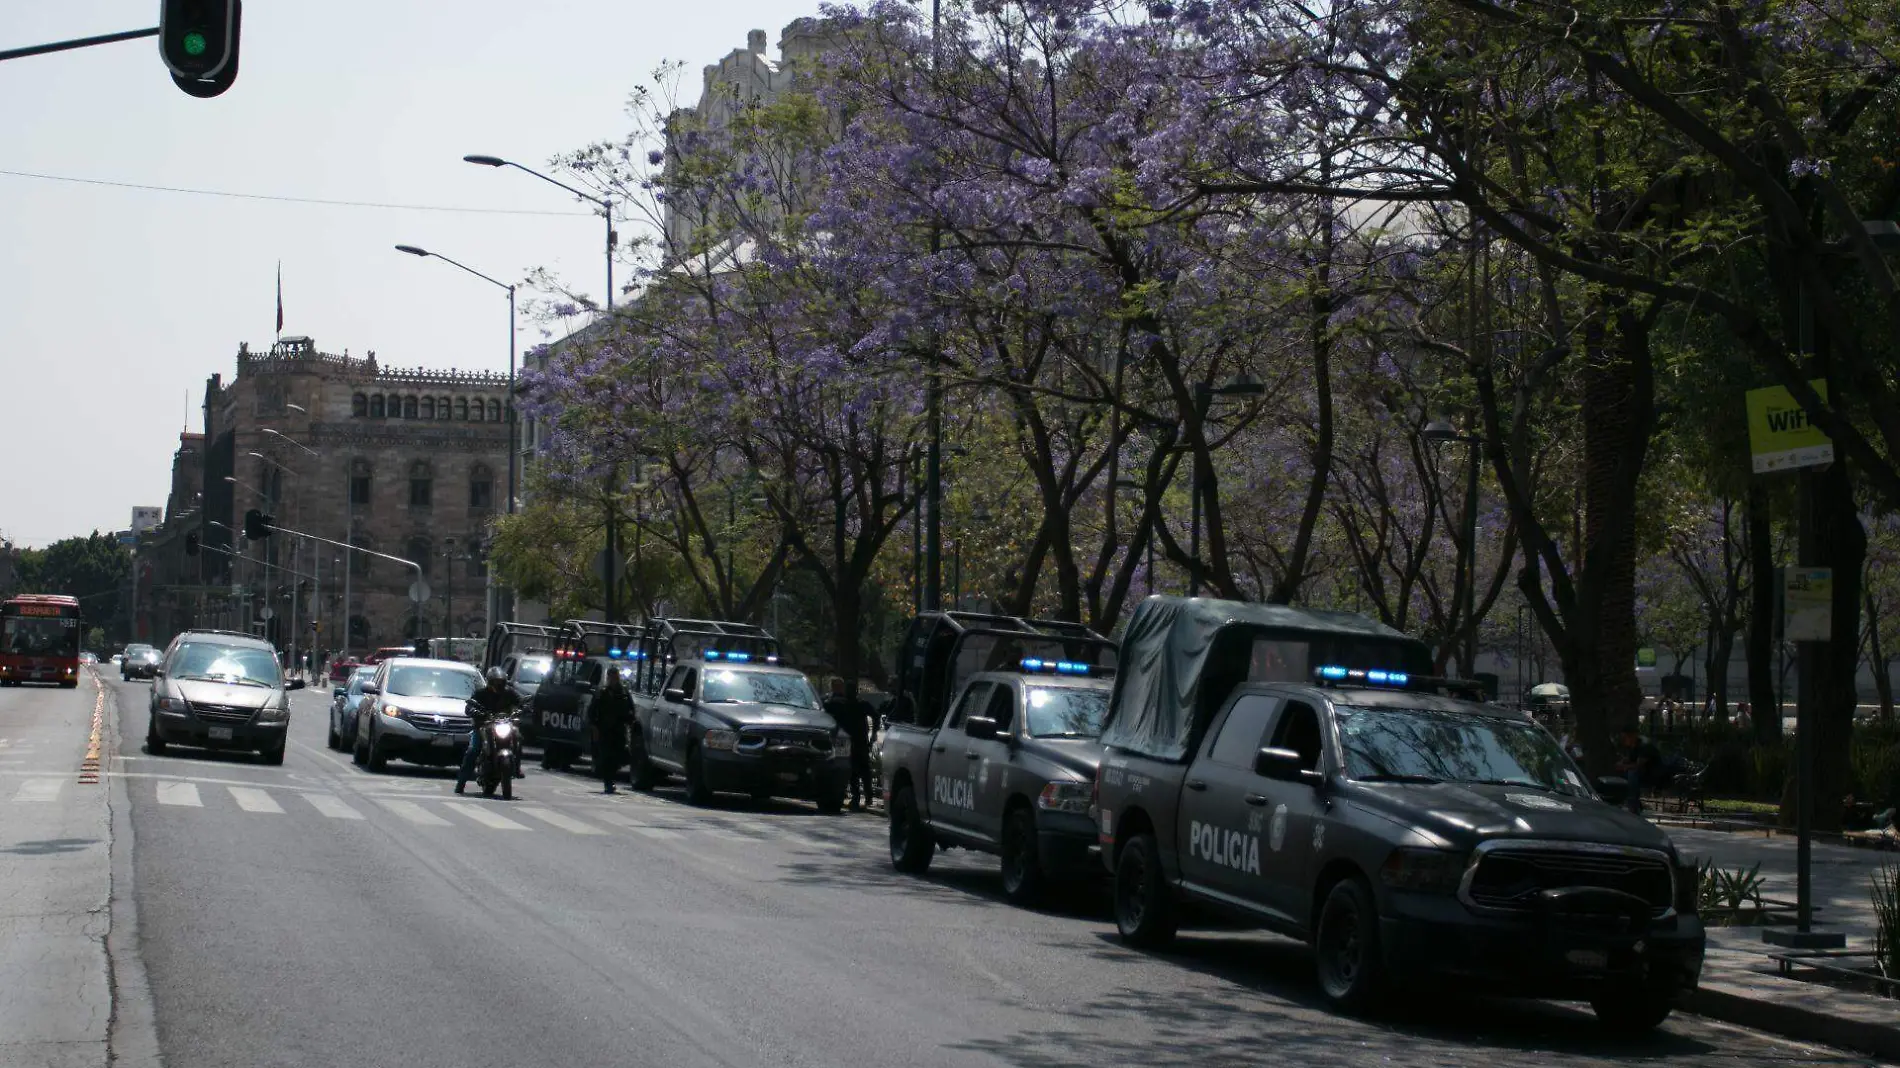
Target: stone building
(409,463)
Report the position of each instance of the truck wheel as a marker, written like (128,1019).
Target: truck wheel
(1635,1010)
(911,843)
(696,791)
(1023,878)
(1346,949)
(272,756)
(1144,908)
(830,802)
(644,775)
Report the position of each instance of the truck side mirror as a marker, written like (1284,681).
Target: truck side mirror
(674,694)
(1613,788)
(981,727)
(1285,765)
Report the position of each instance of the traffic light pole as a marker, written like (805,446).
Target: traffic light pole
(80,42)
(410,564)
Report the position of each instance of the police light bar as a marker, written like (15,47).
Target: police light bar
(1056,667)
(613,654)
(1372,676)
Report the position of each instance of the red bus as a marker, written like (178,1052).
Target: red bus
(39,640)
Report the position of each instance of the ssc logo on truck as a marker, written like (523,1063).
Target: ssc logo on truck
(953,793)
(1277,836)
(1229,849)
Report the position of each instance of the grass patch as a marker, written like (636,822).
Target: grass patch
(1740,806)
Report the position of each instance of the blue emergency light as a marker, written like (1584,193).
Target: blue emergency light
(1374,676)
(718,654)
(613,654)
(1056,667)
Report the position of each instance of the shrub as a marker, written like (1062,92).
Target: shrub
(1886,894)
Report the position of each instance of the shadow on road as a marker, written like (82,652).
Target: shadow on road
(49,846)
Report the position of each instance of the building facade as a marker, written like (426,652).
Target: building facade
(407,463)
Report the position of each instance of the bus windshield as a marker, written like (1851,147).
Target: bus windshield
(40,636)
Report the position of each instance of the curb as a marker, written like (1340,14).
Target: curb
(1721,1001)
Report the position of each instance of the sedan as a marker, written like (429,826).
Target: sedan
(141,662)
(344,701)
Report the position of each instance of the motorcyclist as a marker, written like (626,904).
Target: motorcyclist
(495,698)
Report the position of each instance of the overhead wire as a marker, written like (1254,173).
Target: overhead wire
(287,199)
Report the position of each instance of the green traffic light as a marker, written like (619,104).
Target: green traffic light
(194,44)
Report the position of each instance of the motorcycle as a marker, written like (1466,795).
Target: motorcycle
(501,756)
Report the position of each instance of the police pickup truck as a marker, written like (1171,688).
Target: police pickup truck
(557,712)
(1008,765)
(1292,770)
(714,704)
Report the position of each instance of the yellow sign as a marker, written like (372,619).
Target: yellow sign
(1779,434)
(1807,604)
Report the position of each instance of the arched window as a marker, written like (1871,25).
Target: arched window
(409,407)
(421,485)
(443,408)
(481,488)
(494,411)
(476,410)
(461,409)
(418,550)
(359,406)
(360,472)
(395,406)
(376,406)
(428,407)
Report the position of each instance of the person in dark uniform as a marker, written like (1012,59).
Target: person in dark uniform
(853,716)
(497,698)
(608,717)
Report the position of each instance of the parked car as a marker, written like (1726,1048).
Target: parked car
(344,701)
(415,709)
(220,690)
(1412,835)
(341,670)
(141,662)
(388,651)
(88,658)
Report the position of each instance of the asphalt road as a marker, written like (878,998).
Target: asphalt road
(316,914)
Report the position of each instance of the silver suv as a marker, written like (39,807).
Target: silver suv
(220,690)
(415,709)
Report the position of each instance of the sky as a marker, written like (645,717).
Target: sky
(116,304)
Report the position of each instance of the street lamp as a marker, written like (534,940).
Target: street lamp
(606,210)
(287,439)
(1439,431)
(1204,394)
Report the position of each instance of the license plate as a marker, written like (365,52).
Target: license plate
(1588,958)
(788,776)
(446,740)
(220,734)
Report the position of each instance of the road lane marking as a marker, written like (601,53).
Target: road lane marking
(179,793)
(486,817)
(415,813)
(655,832)
(253,800)
(618,819)
(555,819)
(332,807)
(38,791)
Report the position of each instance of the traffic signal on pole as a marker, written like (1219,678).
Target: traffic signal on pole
(257,525)
(198,39)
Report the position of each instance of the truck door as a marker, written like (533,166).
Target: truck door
(1295,814)
(670,720)
(952,766)
(1224,818)
(552,699)
(991,759)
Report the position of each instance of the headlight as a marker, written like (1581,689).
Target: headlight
(717,739)
(273,714)
(1066,796)
(504,730)
(391,711)
(1423,871)
(174,705)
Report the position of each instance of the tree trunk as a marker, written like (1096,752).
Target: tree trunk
(1720,650)
(1877,660)
(1618,405)
(1764,701)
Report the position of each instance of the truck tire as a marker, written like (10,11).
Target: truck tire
(643,774)
(1144,906)
(1024,881)
(912,845)
(1635,1010)
(1346,952)
(697,793)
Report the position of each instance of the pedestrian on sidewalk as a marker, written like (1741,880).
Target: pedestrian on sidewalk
(608,717)
(853,717)
(1640,759)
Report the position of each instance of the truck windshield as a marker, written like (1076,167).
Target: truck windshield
(1429,745)
(726,686)
(532,671)
(1065,711)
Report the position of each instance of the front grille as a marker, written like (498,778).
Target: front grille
(224,713)
(440,724)
(755,739)
(1514,878)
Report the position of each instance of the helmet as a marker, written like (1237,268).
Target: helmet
(496,674)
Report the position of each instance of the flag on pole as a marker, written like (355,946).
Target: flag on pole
(280,299)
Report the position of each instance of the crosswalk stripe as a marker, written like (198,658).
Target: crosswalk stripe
(38,791)
(332,808)
(179,793)
(617,818)
(555,819)
(655,832)
(254,800)
(486,817)
(415,813)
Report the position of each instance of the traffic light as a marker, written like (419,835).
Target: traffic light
(257,525)
(198,39)
(191,544)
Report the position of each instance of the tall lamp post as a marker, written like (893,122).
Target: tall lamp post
(605,204)
(1438,431)
(1204,394)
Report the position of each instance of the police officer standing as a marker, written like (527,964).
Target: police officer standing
(853,716)
(608,717)
(497,698)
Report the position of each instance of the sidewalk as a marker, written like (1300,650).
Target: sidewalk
(1742,985)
